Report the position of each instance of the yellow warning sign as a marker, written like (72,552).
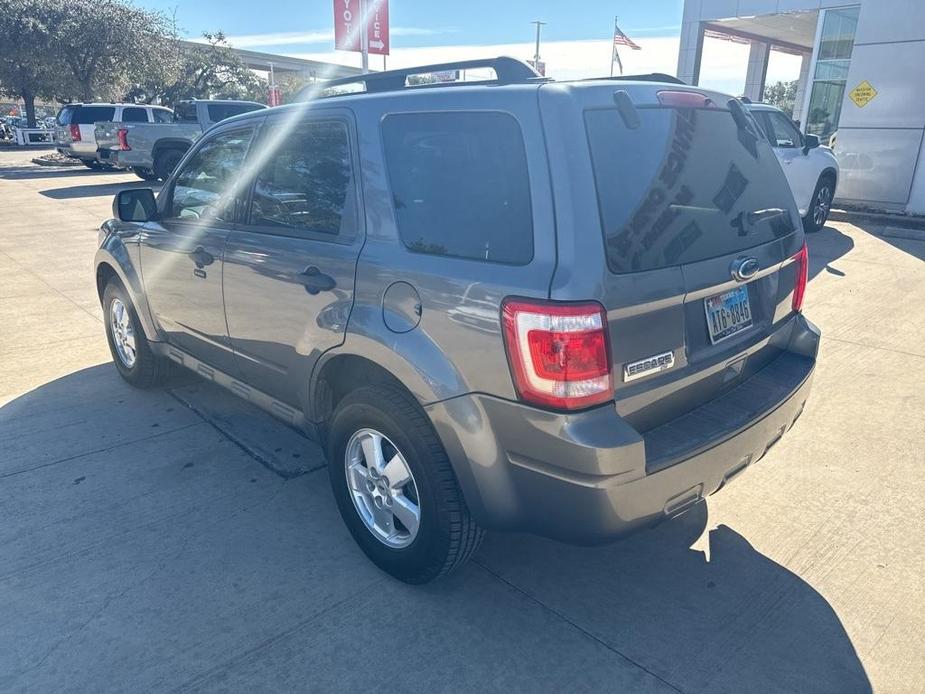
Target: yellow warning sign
(863,94)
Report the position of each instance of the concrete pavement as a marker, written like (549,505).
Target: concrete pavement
(179,540)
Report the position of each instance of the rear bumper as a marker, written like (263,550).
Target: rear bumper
(124,159)
(583,477)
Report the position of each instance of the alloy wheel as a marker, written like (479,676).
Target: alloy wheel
(123,335)
(823,203)
(383,489)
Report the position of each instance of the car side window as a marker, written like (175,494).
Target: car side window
(209,182)
(134,115)
(782,132)
(460,185)
(307,185)
(162,115)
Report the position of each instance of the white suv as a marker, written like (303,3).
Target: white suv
(75,133)
(810,169)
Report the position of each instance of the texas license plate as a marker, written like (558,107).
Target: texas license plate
(728,314)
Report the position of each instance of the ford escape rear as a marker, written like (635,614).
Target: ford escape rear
(572,309)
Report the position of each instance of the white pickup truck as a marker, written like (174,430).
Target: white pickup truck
(153,150)
(75,126)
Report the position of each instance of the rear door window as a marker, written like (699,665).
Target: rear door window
(162,115)
(134,115)
(460,185)
(87,115)
(307,184)
(685,185)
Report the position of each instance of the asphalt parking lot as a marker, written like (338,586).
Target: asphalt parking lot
(179,540)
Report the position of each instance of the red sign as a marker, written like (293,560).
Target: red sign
(348,15)
(378,28)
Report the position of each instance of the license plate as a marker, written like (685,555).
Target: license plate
(728,314)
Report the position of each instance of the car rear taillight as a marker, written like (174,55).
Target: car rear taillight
(123,139)
(801,262)
(75,132)
(559,353)
(679,99)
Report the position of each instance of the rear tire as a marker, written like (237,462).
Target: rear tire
(130,349)
(445,535)
(819,207)
(94,165)
(145,174)
(166,161)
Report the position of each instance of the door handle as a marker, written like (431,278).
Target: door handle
(316,281)
(201,257)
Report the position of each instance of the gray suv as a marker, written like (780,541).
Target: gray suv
(572,309)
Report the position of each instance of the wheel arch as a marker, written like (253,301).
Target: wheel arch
(829,172)
(170,143)
(113,261)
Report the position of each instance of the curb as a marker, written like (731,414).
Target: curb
(896,221)
(46,162)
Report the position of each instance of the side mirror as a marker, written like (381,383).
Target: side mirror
(810,142)
(134,205)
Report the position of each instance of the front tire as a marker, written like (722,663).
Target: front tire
(130,349)
(395,487)
(820,205)
(165,162)
(145,174)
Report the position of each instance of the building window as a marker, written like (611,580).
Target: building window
(832,61)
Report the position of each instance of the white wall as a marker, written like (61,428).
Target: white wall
(879,145)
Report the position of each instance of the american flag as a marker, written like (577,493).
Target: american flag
(621,39)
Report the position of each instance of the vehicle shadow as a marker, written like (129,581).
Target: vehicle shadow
(90,191)
(826,246)
(725,619)
(31,172)
(718,616)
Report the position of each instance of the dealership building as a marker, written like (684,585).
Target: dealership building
(862,78)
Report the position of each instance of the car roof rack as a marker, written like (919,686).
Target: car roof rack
(648,77)
(507,71)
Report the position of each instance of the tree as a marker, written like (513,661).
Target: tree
(28,68)
(783,95)
(104,43)
(211,71)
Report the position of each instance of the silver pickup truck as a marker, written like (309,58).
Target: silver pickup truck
(152,150)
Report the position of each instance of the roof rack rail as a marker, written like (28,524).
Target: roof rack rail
(507,71)
(648,77)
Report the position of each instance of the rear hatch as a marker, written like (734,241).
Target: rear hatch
(107,134)
(83,121)
(697,228)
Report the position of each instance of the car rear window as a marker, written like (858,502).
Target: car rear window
(683,186)
(65,115)
(219,112)
(162,115)
(87,115)
(460,185)
(185,111)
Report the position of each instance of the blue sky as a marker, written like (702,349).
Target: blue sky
(440,22)
(576,39)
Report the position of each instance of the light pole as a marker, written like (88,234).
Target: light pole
(536,56)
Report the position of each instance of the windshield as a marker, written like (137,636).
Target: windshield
(683,185)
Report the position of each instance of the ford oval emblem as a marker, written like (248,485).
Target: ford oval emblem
(743,269)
